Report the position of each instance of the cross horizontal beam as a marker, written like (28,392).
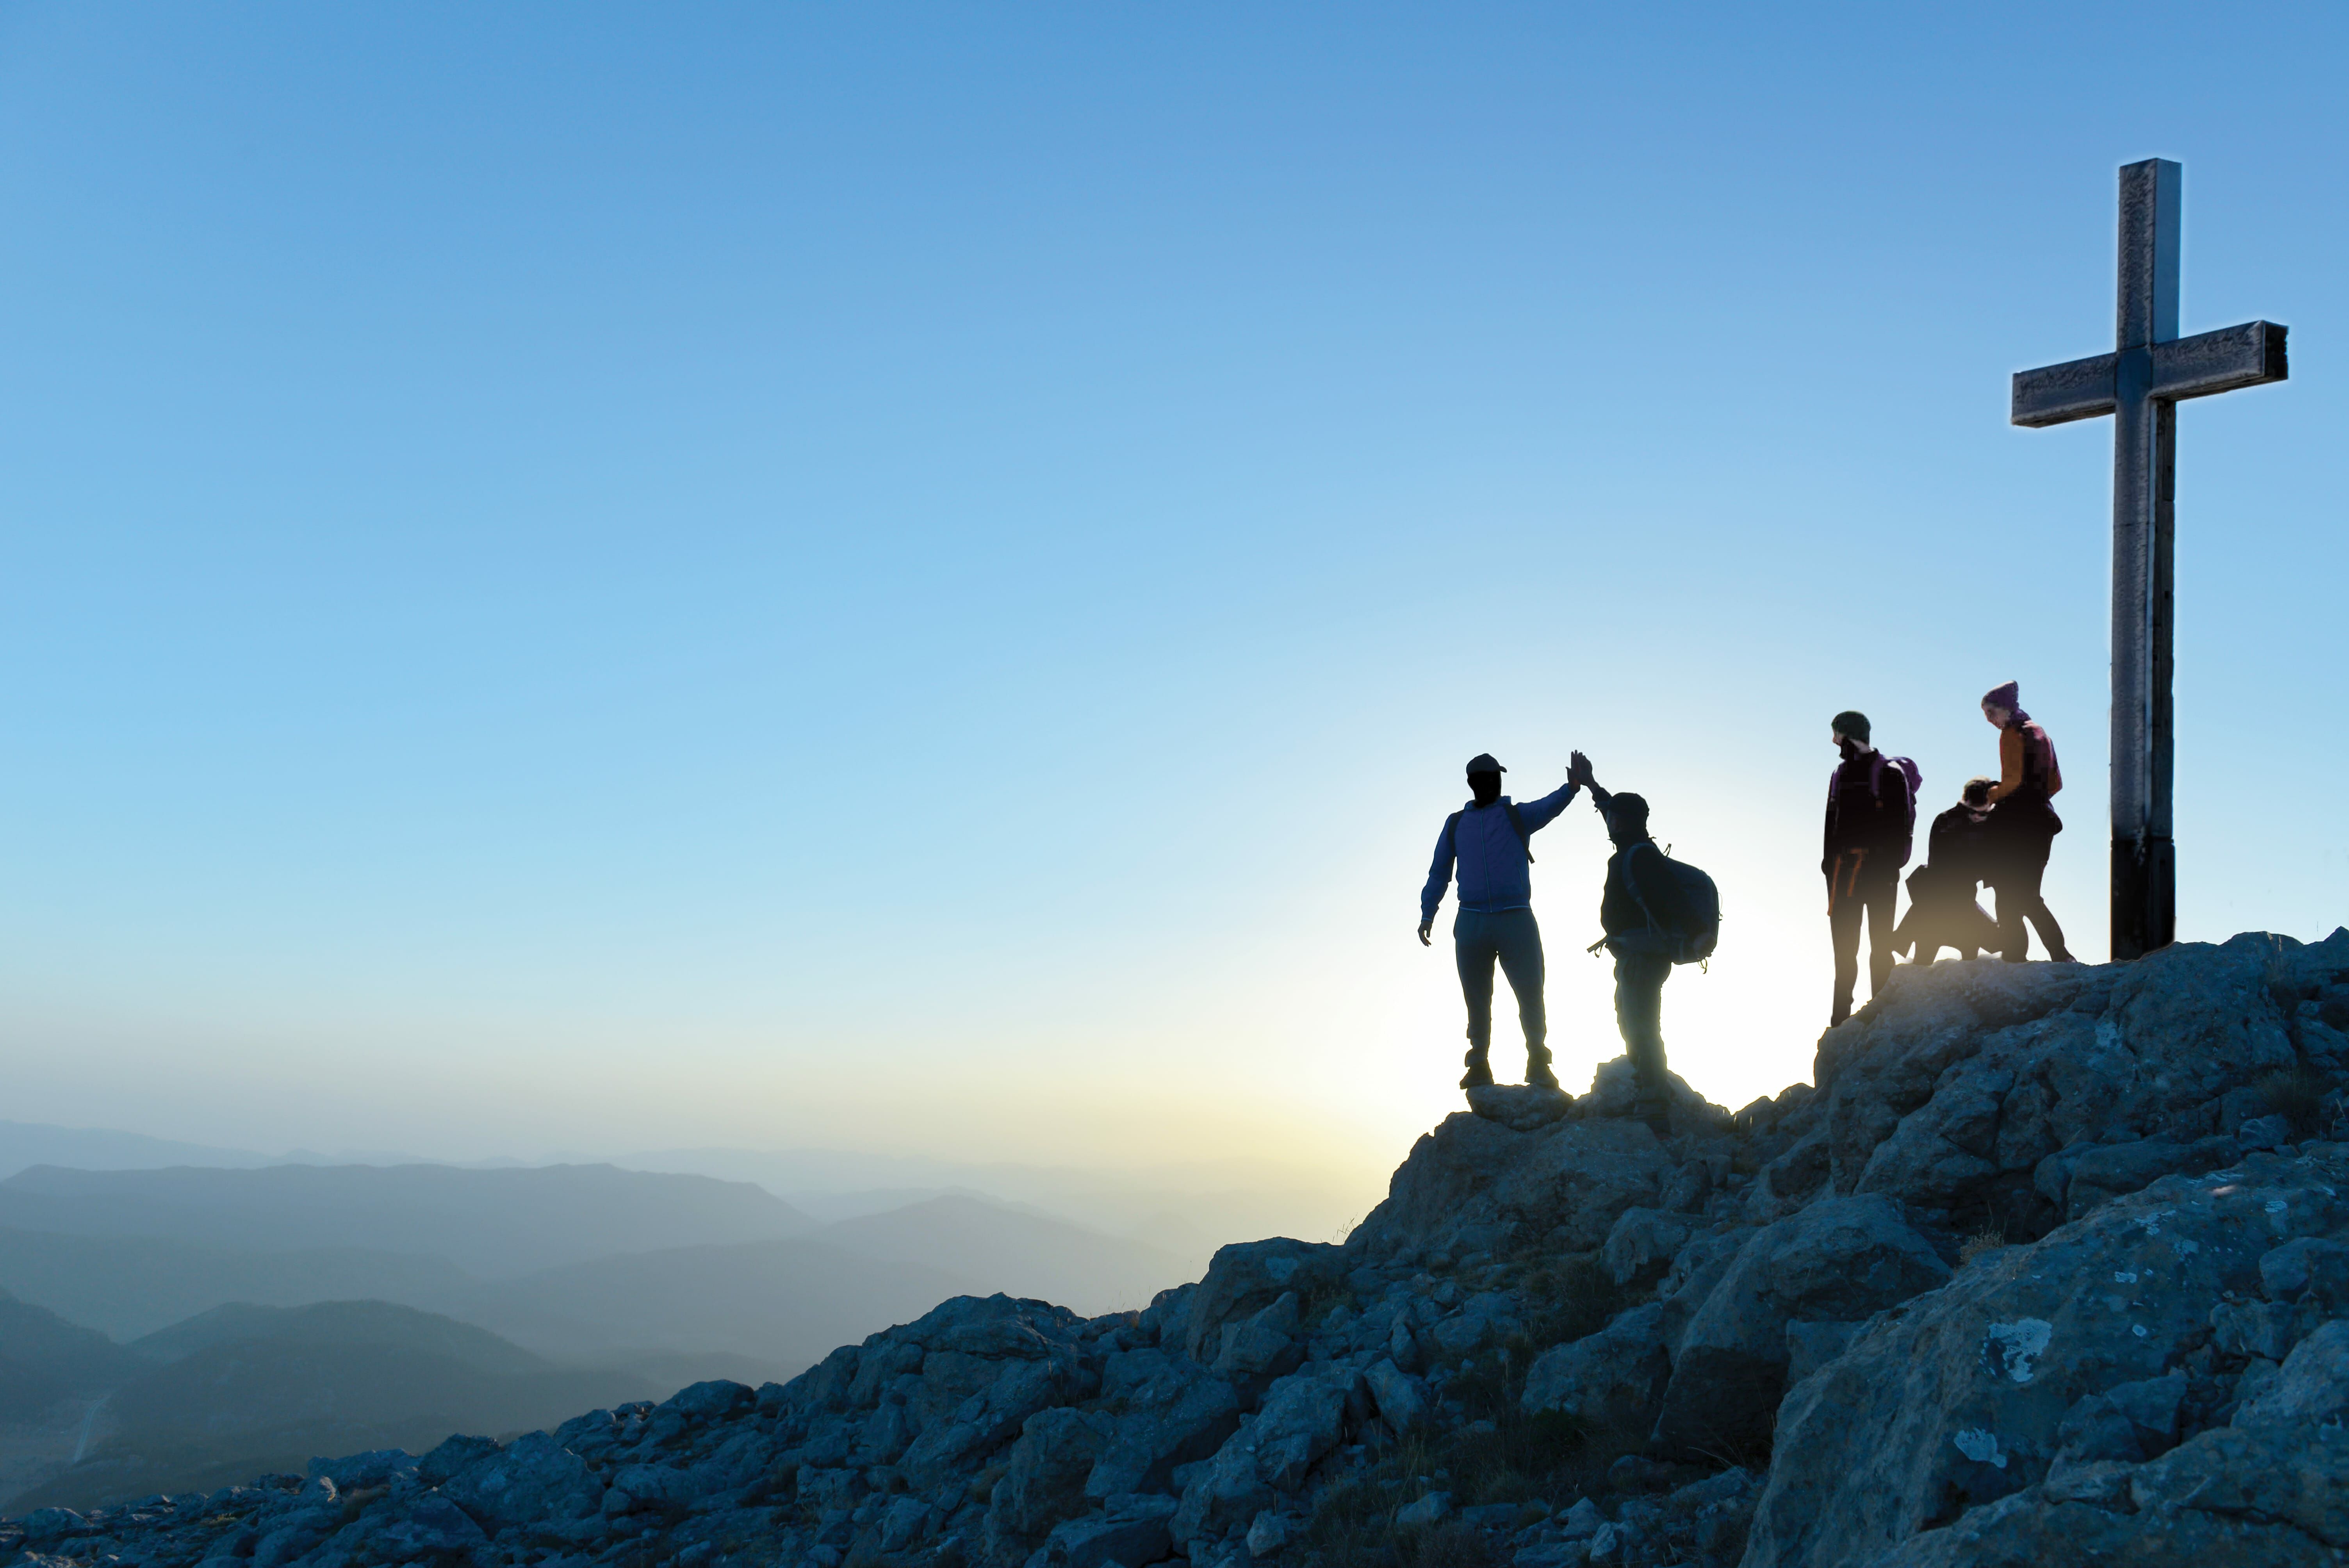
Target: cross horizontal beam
(2197,367)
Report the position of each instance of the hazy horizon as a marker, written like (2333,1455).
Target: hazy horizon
(918,581)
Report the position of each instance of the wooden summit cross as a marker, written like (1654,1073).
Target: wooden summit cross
(2140,383)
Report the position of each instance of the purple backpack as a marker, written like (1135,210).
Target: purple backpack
(1916,778)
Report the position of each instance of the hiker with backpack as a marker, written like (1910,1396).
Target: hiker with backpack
(2026,825)
(1656,912)
(1871,820)
(1958,851)
(1489,842)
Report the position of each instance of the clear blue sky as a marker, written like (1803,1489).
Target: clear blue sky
(921,577)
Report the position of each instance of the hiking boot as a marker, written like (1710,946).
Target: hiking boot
(1479,1073)
(1538,1076)
(1657,1114)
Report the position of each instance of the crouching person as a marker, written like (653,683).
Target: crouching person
(1943,910)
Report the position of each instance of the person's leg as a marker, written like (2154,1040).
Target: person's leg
(1520,952)
(1639,1009)
(1638,1013)
(1473,948)
(2006,893)
(2034,906)
(1883,902)
(1843,928)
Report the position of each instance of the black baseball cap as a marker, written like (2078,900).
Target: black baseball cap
(1484,762)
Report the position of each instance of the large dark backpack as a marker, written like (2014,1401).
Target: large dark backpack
(1692,941)
(1516,823)
(1915,778)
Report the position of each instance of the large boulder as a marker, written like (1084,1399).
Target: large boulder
(1518,1105)
(1175,1413)
(1475,1185)
(535,1478)
(1245,1278)
(1613,1378)
(2041,1386)
(1839,1259)
(1044,1481)
(1952,1089)
(1302,1418)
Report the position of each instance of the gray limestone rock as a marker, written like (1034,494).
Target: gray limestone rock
(2311,1387)
(535,1478)
(1615,1092)
(1483,1317)
(2310,1265)
(2278,1500)
(1839,1259)
(1400,1397)
(431,1528)
(1175,1414)
(1570,1179)
(1260,1347)
(1045,1479)
(1643,1243)
(1519,1107)
(1791,1180)
(1247,1277)
(1614,1377)
(1961,1397)
(1812,1344)
(1301,1419)
(1136,1533)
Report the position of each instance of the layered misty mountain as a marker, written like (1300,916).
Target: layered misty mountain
(165,1328)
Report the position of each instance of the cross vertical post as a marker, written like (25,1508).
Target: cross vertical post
(2145,495)
(2150,370)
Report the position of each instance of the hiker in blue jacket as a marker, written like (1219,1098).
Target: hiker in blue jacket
(1490,841)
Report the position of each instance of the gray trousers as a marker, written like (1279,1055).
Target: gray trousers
(1639,1013)
(1511,937)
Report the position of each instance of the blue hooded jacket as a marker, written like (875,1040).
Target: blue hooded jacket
(1495,872)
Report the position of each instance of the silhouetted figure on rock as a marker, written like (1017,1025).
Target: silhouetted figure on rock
(1871,814)
(1490,841)
(1641,911)
(2024,825)
(1941,908)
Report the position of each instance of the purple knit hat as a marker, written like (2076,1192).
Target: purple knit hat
(2009,697)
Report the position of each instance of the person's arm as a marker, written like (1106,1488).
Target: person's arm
(2010,764)
(1539,814)
(1826,834)
(1901,815)
(1577,771)
(1439,877)
(2054,773)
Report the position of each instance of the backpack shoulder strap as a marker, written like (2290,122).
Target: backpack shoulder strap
(1631,883)
(1518,824)
(1452,834)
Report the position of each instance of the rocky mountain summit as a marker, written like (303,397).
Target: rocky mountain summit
(2052,1263)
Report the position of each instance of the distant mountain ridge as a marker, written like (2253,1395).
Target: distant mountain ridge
(695,1268)
(491,1222)
(206,1401)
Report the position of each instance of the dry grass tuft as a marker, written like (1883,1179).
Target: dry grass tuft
(1981,1245)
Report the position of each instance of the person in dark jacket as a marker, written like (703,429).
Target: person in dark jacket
(1490,841)
(1941,908)
(2026,824)
(1866,843)
(1640,906)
